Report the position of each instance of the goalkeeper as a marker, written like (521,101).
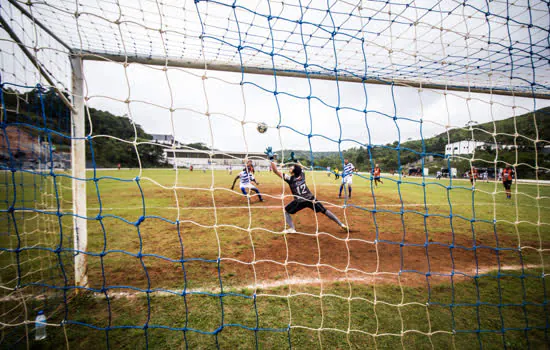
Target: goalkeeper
(303,198)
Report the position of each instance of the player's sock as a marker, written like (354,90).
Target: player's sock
(340,193)
(349,191)
(244,191)
(289,221)
(259,194)
(333,217)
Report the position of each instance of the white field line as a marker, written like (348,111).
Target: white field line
(371,278)
(503,203)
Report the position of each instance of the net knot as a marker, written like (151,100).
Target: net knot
(140,220)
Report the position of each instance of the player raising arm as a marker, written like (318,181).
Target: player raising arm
(303,198)
(247,178)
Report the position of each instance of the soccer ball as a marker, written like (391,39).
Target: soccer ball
(262,127)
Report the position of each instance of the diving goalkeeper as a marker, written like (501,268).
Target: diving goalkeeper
(303,198)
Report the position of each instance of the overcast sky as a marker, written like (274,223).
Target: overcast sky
(177,100)
(152,92)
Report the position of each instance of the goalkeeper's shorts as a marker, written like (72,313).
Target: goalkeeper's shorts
(299,204)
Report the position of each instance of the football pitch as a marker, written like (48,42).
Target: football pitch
(186,262)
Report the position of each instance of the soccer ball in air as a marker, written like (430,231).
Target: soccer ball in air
(262,127)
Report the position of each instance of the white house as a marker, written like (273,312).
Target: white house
(163,138)
(462,147)
(219,159)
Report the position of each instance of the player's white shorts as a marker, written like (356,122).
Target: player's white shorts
(348,180)
(248,185)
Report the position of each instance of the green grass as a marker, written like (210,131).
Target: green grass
(316,322)
(217,223)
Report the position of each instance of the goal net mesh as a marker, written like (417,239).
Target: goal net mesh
(441,95)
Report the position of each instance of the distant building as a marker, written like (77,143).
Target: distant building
(163,138)
(462,147)
(493,147)
(219,160)
(469,146)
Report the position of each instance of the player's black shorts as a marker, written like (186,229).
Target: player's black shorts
(507,184)
(299,204)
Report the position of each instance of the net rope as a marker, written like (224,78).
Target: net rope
(490,245)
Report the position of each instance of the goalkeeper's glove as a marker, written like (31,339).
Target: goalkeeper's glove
(292,158)
(269,153)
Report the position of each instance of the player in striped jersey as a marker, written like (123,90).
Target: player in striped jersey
(247,178)
(303,198)
(347,177)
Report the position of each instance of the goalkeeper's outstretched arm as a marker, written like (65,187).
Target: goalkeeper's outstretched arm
(275,169)
(271,156)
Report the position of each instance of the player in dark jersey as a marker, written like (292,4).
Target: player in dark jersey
(303,198)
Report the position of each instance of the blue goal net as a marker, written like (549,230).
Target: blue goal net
(138,208)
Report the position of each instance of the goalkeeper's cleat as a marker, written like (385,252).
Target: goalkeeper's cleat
(289,230)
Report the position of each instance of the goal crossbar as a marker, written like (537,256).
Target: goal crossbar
(190,64)
(193,64)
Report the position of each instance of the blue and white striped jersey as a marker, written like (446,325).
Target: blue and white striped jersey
(246,177)
(348,170)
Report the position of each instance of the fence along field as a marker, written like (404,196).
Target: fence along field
(151,256)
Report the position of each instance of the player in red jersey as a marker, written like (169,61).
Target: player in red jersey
(472,174)
(376,173)
(507,177)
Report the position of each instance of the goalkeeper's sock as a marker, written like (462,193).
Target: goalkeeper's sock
(289,220)
(333,217)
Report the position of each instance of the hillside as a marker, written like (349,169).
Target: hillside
(27,120)
(388,157)
(524,124)
(108,152)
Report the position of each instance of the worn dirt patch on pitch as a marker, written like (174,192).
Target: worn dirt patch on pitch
(241,244)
